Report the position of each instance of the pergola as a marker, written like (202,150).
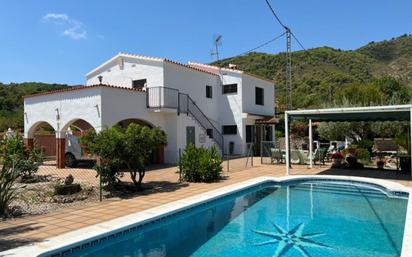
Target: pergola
(373,113)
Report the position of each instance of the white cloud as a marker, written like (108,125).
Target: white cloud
(75,33)
(56,17)
(73,29)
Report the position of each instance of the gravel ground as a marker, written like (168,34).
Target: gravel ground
(39,198)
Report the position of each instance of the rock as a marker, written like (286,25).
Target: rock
(67,189)
(69,180)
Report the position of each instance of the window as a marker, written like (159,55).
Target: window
(259,100)
(139,84)
(229,88)
(209,133)
(209,92)
(229,130)
(250,129)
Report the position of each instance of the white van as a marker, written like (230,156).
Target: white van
(74,152)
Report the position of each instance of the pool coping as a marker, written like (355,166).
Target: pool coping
(107,227)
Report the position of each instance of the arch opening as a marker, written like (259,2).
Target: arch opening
(78,127)
(43,135)
(126,122)
(71,151)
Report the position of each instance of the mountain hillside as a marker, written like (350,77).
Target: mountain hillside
(11,101)
(322,75)
(378,73)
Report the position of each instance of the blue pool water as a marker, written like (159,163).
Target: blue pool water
(304,219)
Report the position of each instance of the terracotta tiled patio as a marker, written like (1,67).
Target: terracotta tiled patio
(166,188)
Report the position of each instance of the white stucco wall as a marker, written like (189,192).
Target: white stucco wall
(72,105)
(194,83)
(248,97)
(184,121)
(133,69)
(230,110)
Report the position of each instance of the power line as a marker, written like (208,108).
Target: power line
(289,35)
(297,40)
(276,16)
(260,46)
(264,44)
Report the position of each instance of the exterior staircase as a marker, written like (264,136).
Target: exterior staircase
(170,98)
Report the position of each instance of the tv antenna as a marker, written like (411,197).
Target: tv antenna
(289,35)
(217,41)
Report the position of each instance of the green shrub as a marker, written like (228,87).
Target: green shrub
(201,164)
(365,143)
(356,151)
(8,190)
(14,152)
(362,154)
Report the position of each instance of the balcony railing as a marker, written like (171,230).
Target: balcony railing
(162,97)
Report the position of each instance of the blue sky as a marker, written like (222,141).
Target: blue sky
(60,41)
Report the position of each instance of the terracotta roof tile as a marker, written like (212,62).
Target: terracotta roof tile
(167,60)
(78,88)
(217,70)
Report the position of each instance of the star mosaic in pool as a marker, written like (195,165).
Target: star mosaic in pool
(293,239)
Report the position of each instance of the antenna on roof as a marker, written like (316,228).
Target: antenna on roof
(217,41)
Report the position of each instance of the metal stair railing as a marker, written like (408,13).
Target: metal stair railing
(188,106)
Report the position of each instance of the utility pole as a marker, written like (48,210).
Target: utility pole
(288,84)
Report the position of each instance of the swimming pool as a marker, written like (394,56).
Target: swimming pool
(304,217)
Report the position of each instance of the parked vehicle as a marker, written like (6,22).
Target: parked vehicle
(74,152)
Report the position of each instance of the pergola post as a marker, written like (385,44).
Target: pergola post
(310,144)
(287,144)
(60,149)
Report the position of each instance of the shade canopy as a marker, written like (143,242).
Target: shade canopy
(372,113)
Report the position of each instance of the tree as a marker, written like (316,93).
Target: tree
(334,130)
(130,148)
(389,129)
(395,92)
(360,95)
(106,145)
(139,142)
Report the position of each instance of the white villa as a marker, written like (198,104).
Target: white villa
(196,103)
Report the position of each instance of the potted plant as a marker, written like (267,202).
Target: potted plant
(351,160)
(380,163)
(337,158)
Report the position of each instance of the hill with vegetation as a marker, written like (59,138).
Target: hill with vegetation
(11,101)
(378,73)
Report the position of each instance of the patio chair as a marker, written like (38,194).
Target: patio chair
(304,158)
(277,155)
(295,157)
(320,155)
